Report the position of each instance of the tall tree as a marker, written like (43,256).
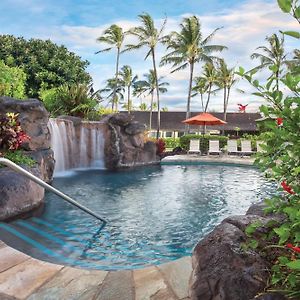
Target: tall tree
(272,57)
(200,88)
(148,86)
(188,47)
(211,77)
(225,80)
(149,36)
(114,90)
(113,36)
(45,64)
(128,80)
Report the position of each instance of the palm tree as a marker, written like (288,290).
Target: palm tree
(147,87)
(273,58)
(200,88)
(210,76)
(149,36)
(225,80)
(188,47)
(115,92)
(113,36)
(128,80)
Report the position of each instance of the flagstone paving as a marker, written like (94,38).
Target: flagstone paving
(23,277)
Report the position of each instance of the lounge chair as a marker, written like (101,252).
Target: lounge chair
(194,146)
(214,147)
(232,147)
(246,147)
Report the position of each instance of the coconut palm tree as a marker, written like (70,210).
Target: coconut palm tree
(272,57)
(128,80)
(149,36)
(210,76)
(113,36)
(225,80)
(147,87)
(200,88)
(115,92)
(188,47)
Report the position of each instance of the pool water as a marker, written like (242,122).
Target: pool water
(155,214)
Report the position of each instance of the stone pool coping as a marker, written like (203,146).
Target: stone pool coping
(209,159)
(23,277)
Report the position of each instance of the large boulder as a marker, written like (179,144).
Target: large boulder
(125,144)
(223,269)
(33,118)
(19,194)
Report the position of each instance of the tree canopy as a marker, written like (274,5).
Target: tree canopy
(45,64)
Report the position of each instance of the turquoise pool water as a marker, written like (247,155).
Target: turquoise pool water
(155,214)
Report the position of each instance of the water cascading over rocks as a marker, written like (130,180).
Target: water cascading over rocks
(76,144)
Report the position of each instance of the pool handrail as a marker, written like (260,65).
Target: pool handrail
(48,187)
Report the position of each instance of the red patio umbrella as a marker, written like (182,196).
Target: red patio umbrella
(204,119)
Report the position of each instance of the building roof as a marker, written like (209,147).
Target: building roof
(172,121)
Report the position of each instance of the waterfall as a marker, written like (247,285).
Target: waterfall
(80,146)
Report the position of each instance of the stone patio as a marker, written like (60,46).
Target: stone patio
(23,277)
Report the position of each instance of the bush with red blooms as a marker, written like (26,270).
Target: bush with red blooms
(160,146)
(11,134)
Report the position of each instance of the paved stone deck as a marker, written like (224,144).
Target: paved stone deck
(23,277)
(196,158)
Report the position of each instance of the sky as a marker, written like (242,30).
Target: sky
(77,24)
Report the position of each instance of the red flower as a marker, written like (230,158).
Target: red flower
(160,146)
(287,188)
(296,249)
(279,121)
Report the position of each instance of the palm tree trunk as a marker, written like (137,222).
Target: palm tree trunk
(157,93)
(208,97)
(227,100)
(151,110)
(224,100)
(202,103)
(116,75)
(128,99)
(188,105)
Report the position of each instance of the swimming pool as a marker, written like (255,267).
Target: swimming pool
(155,214)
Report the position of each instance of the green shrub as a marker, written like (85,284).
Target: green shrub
(172,142)
(19,158)
(204,141)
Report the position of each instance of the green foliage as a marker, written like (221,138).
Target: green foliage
(172,142)
(45,64)
(12,81)
(19,158)
(75,99)
(204,141)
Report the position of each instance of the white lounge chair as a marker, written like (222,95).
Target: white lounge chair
(214,147)
(232,147)
(246,147)
(194,146)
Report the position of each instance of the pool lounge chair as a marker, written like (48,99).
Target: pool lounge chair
(232,147)
(194,146)
(214,147)
(246,148)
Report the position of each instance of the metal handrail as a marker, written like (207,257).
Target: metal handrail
(48,187)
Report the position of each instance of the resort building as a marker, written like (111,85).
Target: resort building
(172,126)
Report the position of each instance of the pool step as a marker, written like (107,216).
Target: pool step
(46,241)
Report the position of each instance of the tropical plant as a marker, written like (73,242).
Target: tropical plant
(12,81)
(45,64)
(149,36)
(273,58)
(200,88)
(147,87)
(113,36)
(188,47)
(115,92)
(128,81)
(226,79)
(280,160)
